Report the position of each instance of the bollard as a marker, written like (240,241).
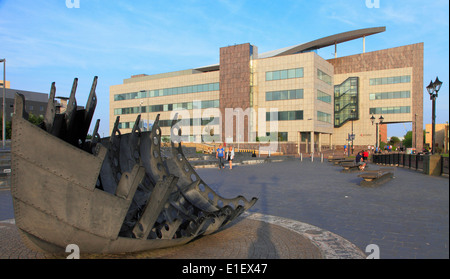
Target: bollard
(301,157)
(312,157)
(321,157)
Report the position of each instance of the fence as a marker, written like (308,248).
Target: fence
(418,162)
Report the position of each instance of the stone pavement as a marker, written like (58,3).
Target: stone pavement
(407,217)
(307,210)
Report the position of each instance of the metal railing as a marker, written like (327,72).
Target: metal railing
(417,162)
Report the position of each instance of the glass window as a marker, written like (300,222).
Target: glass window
(291,115)
(268,75)
(291,73)
(283,74)
(276,75)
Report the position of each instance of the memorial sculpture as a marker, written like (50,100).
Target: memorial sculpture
(106,195)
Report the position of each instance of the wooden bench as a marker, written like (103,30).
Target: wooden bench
(376,177)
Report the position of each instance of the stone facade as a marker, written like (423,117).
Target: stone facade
(234,85)
(404,57)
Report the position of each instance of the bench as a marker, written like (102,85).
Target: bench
(339,162)
(351,166)
(332,159)
(376,177)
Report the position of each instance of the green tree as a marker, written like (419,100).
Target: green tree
(7,128)
(394,141)
(407,142)
(36,120)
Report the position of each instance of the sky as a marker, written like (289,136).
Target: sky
(58,40)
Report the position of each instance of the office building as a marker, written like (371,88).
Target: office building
(291,96)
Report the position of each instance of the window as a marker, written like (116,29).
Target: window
(390,110)
(284,95)
(390,80)
(285,115)
(324,117)
(168,91)
(284,74)
(324,97)
(323,77)
(166,107)
(390,95)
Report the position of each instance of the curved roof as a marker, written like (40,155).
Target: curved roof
(313,45)
(324,42)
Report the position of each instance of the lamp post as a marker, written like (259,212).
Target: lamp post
(373,121)
(3,106)
(433,89)
(353,135)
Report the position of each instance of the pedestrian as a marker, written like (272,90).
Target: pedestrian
(230,156)
(219,155)
(365,155)
(359,161)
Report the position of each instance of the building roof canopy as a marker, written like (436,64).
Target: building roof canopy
(313,45)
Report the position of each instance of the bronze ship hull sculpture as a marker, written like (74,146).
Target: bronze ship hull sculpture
(110,195)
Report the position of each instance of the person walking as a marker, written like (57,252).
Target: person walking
(219,155)
(230,156)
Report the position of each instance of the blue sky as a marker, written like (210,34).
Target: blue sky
(45,41)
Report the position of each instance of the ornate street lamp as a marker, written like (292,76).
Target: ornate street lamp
(433,89)
(373,122)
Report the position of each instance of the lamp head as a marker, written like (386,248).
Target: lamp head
(430,88)
(437,85)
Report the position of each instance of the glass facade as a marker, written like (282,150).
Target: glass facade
(346,101)
(284,95)
(168,91)
(284,74)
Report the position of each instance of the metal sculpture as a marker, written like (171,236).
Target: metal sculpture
(107,195)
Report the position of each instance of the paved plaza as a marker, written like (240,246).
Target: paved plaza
(407,217)
(304,206)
